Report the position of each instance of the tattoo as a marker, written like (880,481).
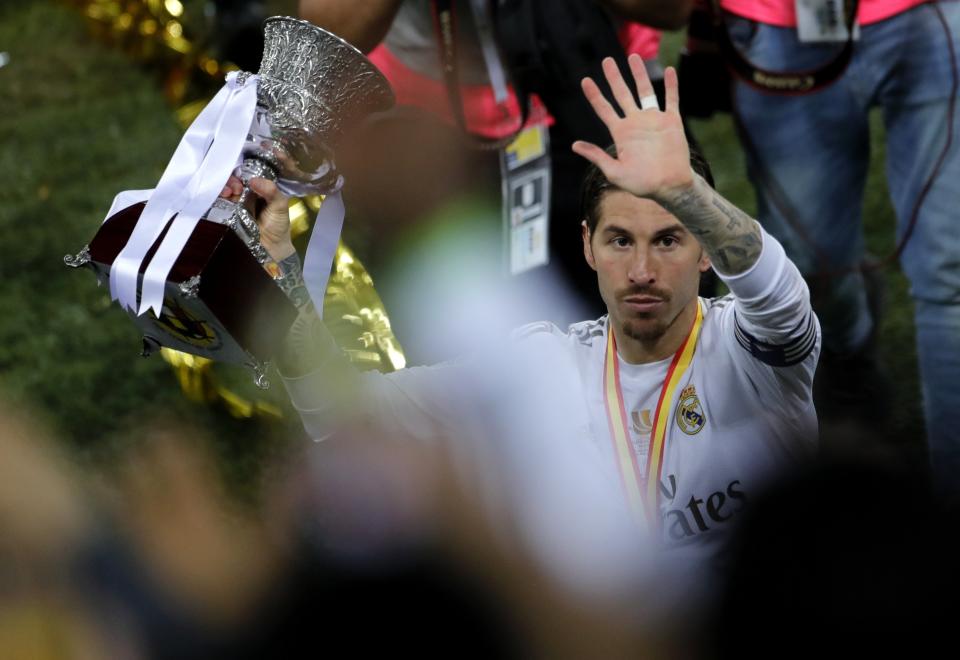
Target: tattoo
(727,210)
(301,353)
(291,281)
(730,236)
(724,261)
(309,346)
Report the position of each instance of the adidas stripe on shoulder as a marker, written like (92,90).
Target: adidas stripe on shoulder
(586,331)
(533,328)
(793,352)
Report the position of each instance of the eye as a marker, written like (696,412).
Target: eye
(620,241)
(668,241)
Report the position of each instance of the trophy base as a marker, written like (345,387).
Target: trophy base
(219,302)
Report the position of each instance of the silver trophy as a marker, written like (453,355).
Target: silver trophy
(219,300)
(313,87)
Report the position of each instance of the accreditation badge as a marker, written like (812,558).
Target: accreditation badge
(525,175)
(823,21)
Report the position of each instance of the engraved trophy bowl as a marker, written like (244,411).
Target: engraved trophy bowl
(220,301)
(314,87)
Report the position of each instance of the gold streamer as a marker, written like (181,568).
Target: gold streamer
(163,35)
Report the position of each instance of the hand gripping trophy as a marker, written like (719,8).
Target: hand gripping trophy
(188,265)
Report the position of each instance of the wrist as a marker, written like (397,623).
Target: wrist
(278,250)
(307,347)
(670,197)
(291,282)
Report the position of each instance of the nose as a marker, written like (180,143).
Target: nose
(642,269)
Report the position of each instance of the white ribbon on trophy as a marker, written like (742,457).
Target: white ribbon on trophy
(203,161)
(208,153)
(322,248)
(283,124)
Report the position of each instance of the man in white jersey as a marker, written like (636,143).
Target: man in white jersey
(688,404)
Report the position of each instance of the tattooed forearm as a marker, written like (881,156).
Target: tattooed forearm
(291,281)
(730,236)
(308,344)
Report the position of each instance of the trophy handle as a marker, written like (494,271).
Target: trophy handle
(82,258)
(259,373)
(241,220)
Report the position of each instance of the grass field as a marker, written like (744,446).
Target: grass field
(80,122)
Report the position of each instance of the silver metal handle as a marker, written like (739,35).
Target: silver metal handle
(242,221)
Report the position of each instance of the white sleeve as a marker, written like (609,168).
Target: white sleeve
(315,400)
(445,400)
(417,402)
(777,334)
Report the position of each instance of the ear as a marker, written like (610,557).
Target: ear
(704,263)
(587,248)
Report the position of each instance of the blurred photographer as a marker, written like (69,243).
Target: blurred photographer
(808,73)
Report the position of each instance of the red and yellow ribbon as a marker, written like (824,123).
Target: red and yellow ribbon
(641,488)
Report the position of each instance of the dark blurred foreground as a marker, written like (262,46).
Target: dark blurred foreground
(377,547)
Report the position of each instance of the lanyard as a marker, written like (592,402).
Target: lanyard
(488,46)
(445,23)
(635,482)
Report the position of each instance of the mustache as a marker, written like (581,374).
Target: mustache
(644,290)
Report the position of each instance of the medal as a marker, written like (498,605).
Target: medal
(641,487)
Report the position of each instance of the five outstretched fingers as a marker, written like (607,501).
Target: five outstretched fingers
(640,77)
(672,86)
(607,163)
(598,102)
(621,92)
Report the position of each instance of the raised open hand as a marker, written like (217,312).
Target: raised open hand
(653,158)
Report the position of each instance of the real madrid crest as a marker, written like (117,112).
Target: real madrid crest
(690,416)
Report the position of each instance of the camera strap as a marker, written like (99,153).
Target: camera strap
(779,199)
(778,82)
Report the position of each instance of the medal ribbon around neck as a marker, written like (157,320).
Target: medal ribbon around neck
(644,504)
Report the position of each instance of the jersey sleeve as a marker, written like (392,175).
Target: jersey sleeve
(417,402)
(774,333)
(424,403)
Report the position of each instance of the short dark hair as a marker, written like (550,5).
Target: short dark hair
(596,184)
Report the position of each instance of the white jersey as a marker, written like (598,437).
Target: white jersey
(744,408)
(736,421)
